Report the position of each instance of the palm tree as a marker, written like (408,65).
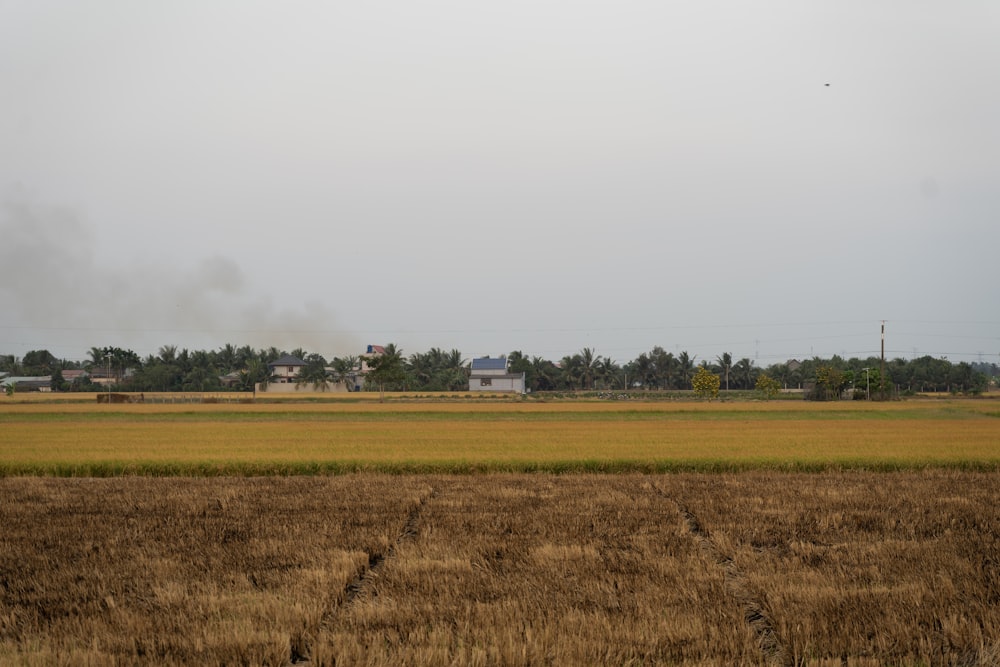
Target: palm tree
(256,373)
(386,368)
(168,354)
(455,370)
(571,371)
(10,363)
(608,372)
(725,363)
(588,367)
(97,356)
(225,358)
(345,369)
(422,367)
(745,372)
(686,367)
(644,370)
(314,373)
(544,374)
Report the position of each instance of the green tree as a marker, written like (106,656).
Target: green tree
(313,373)
(345,369)
(665,367)
(643,371)
(454,371)
(767,386)
(725,365)
(386,369)
(571,372)
(257,373)
(705,383)
(588,362)
(119,360)
(745,372)
(10,364)
(829,384)
(544,374)
(57,382)
(38,362)
(609,374)
(685,367)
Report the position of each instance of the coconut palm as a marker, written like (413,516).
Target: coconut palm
(345,369)
(314,373)
(745,373)
(588,367)
(685,367)
(644,370)
(544,374)
(256,373)
(608,373)
(571,371)
(386,368)
(725,364)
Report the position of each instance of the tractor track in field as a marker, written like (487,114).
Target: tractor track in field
(754,615)
(366,573)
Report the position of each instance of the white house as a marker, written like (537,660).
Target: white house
(284,369)
(490,374)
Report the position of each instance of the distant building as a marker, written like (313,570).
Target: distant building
(284,369)
(284,373)
(490,374)
(75,376)
(27,383)
(371,352)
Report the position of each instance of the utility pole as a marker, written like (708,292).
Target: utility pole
(881,372)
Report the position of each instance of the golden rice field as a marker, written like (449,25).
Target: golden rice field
(459,436)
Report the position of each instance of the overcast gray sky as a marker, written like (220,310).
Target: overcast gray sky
(542,176)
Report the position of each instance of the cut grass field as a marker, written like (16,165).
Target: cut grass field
(756,568)
(336,437)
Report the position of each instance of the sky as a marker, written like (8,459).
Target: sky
(770,179)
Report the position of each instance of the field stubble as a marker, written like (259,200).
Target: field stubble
(757,568)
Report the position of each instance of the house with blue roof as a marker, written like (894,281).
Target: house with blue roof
(491,374)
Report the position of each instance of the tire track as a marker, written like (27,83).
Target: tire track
(754,615)
(365,574)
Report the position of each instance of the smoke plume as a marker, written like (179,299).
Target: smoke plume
(56,293)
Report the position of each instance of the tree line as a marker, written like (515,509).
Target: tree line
(242,368)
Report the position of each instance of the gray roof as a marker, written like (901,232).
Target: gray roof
(287,360)
(489,364)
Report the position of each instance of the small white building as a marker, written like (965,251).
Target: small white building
(490,374)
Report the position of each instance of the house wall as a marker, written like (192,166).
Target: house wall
(503,382)
(308,388)
(285,373)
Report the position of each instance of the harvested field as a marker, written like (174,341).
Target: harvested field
(839,568)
